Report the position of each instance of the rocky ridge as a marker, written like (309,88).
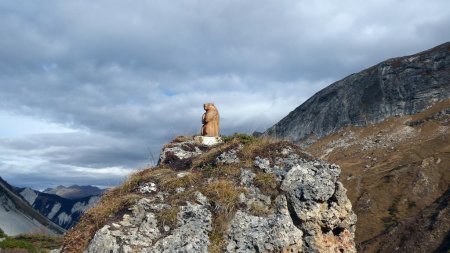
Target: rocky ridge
(247,195)
(399,86)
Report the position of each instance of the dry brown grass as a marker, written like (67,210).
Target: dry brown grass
(168,217)
(267,183)
(217,235)
(172,181)
(224,195)
(258,208)
(229,172)
(248,152)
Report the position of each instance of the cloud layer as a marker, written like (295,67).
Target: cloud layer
(111,81)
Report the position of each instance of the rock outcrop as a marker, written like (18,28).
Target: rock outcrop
(399,86)
(252,196)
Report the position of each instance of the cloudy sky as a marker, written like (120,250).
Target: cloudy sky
(91,89)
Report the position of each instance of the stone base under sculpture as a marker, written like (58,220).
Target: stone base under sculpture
(208,140)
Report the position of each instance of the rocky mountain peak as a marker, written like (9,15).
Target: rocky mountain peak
(246,195)
(399,86)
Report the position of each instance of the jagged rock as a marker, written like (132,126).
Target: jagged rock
(194,223)
(228,157)
(247,177)
(135,230)
(308,210)
(263,164)
(275,233)
(174,153)
(305,182)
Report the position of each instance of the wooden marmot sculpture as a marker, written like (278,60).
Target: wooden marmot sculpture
(210,121)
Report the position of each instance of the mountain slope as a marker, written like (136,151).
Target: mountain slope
(397,179)
(421,233)
(17,217)
(62,211)
(399,86)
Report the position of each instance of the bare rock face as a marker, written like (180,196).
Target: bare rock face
(286,201)
(399,86)
(275,233)
(140,230)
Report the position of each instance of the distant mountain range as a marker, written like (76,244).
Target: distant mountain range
(74,191)
(18,217)
(24,210)
(62,211)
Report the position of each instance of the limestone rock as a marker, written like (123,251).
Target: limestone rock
(192,234)
(180,150)
(307,211)
(228,157)
(134,231)
(275,233)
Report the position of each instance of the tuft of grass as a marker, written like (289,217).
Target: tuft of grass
(168,217)
(240,137)
(224,195)
(244,138)
(217,234)
(267,183)
(229,172)
(259,209)
(227,138)
(170,182)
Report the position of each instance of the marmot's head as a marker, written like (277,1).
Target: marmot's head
(209,106)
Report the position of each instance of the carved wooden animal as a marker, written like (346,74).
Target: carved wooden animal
(210,121)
